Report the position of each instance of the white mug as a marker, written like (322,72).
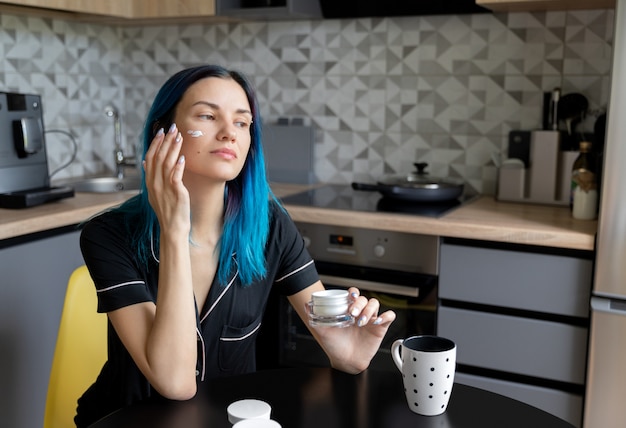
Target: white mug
(427,364)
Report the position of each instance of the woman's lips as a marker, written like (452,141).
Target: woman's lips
(225,153)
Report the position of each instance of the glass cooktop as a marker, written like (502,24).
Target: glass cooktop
(344,197)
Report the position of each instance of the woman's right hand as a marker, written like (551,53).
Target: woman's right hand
(163,166)
(163,343)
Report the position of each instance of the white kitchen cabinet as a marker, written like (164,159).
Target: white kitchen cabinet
(533,5)
(519,316)
(35,271)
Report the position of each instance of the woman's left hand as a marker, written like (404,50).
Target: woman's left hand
(351,349)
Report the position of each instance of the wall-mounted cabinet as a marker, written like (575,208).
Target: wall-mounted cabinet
(147,9)
(107,7)
(531,5)
(268,9)
(115,9)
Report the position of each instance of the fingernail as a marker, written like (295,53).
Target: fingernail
(179,137)
(181,159)
(354,312)
(378,320)
(172,128)
(354,295)
(160,132)
(361,321)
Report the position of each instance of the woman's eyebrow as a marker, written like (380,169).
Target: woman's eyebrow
(217,107)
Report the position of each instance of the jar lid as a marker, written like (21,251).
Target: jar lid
(257,423)
(248,409)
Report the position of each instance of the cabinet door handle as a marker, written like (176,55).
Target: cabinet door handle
(379,287)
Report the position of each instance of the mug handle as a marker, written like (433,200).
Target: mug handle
(395,353)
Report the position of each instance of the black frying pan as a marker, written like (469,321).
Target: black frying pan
(417,187)
(422,193)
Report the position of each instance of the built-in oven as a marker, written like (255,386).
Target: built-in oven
(399,269)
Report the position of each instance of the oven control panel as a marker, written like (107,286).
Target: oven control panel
(368,247)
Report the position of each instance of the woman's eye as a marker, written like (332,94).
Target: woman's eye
(242,124)
(207,116)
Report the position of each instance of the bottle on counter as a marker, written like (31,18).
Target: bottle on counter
(584,200)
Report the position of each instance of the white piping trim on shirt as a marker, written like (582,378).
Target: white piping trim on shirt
(203,354)
(123,284)
(235,339)
(152,248)
(220,296)
(295,271)
(230,283)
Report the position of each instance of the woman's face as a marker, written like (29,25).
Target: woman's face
(214,119)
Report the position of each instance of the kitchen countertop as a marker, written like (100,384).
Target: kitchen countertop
(482,219)
(52,215)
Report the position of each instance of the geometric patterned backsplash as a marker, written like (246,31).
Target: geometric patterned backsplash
(381,93)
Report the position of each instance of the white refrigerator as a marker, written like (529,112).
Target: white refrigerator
(605,398)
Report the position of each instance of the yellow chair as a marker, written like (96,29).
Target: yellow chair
(80,352)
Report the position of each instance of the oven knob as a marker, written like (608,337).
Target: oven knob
(379,250)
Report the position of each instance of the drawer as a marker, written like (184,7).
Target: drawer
(536,282)
(543,349)
(562,404)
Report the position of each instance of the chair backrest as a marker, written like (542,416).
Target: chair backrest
(80,351)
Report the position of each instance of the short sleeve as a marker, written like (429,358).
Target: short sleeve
(295,270)
(119,279)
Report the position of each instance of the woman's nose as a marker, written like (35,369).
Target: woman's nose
(227,133)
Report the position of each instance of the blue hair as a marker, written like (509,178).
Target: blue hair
(247,197)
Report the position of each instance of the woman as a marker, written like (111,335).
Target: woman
(184,269)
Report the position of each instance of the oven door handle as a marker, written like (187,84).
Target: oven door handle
(379,287)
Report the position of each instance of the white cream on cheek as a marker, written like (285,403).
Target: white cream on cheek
(195,134)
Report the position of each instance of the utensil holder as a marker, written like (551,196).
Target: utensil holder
(547,178)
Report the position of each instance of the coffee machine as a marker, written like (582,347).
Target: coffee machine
(24,178)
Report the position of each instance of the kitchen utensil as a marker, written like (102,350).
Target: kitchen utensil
(554,109)
(572,109)
(417,186)
(519,146)
(599,132)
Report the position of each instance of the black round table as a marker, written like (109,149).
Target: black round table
(326,398)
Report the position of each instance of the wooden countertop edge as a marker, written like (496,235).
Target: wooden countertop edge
(53,215)
(482,219)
